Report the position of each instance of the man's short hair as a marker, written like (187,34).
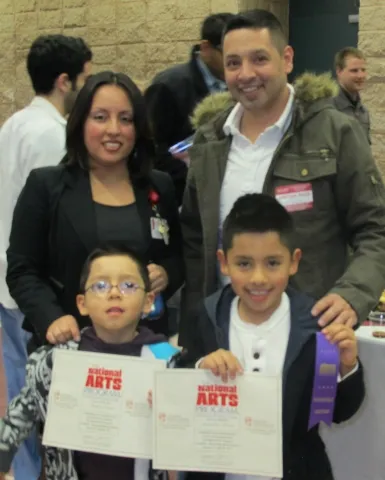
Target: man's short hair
(213,26)
(257,213)
(341,56)
(258,19)
(52,55)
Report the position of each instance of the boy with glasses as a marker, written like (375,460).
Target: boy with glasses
(115,293)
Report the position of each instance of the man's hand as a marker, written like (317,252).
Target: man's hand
(63,329)
(222,363)
(184,156)
(158,278)
(334,309)
(345,338)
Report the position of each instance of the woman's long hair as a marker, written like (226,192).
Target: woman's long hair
(139,162)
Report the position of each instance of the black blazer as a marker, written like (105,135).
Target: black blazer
(171,99)
(304,455)
(53,232)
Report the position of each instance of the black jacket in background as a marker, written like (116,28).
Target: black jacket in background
(53,232)
(171,99)
(304,455)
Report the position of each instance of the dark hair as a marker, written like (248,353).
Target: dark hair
(139,162)
(258,19)
(53,55)
(340,58)
(257,213)
(111,251)
(213,27)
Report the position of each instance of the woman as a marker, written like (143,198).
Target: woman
(103,192)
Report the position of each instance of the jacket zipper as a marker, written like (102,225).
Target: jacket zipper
(267,182)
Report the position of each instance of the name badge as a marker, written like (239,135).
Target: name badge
(159,229)
(295,197)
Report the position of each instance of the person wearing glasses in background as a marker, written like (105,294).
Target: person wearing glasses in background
(175,92)
(104,191)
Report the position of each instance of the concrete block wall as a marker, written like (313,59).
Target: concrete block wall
(138,37)
(372,42)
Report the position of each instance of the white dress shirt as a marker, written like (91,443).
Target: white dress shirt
(248,163)
(260,348)
(33,137)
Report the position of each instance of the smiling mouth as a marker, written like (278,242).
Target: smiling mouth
(251,89)
(258,295)
(112,146)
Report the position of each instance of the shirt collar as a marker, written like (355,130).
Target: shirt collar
(213,83)
(281,314)
(347,98)
(44,104)
(231,126)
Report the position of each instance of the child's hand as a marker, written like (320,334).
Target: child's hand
(344,337)
(223,363)
(63,329)
(149,400)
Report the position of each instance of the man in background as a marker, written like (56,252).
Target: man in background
(350,65)
(34,137)
(175,92)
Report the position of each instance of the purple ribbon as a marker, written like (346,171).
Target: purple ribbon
(327,362)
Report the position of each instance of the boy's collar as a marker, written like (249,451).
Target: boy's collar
(218,307)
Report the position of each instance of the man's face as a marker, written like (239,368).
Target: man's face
(353,77)
(71,95)
(255,71)
(213,58)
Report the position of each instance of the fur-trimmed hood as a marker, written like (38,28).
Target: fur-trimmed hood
(309,89)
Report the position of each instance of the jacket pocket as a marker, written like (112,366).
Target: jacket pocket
(317,168)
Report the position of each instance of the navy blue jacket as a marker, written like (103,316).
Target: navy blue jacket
(304,455)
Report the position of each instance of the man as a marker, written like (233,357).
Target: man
(296,146)
(175,92)
(350,65)
(34,137)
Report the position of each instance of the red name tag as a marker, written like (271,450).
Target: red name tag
(295,197)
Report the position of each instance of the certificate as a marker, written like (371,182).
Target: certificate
(204,424)
(99,403)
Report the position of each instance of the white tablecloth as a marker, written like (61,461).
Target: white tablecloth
(357,447)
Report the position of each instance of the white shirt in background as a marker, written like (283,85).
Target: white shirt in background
(31,138)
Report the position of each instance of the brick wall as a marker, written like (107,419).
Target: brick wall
(372,42)
(138,37)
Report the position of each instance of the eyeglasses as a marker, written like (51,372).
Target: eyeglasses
(103,288)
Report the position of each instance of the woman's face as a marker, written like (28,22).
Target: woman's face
(109,131)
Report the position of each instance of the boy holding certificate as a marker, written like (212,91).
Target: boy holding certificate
(259,324)
(115,294)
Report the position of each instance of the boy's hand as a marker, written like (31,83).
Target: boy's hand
(149,399)
(222,363)
(63,329)
(344,337)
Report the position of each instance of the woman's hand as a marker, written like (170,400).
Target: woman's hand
(63,329)
(158,278)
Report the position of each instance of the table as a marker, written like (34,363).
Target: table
(357,448)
